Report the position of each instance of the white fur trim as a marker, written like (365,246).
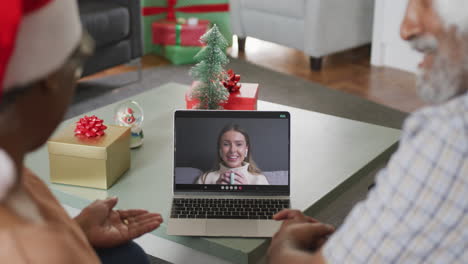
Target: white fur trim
(7,174)
(453,12)
(20,202)
(46,37)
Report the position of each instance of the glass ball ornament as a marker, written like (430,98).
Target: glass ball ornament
(130,114)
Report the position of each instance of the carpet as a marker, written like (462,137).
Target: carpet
(274,87)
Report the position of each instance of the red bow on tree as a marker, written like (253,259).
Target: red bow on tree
(90,126)
(232,82)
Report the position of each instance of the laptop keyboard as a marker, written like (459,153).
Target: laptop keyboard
(227,208)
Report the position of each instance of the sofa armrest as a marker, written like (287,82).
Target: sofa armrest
(136,37)
(336,25)
(236,19)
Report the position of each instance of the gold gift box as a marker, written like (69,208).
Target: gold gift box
(95,162)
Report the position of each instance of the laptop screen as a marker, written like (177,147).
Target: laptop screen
(232,151)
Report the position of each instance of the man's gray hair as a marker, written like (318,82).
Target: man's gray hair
(453,13)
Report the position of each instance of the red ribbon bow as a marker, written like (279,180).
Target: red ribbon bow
(232,82)
(90,126)
(171,9)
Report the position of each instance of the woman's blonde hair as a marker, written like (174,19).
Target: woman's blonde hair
(253,168)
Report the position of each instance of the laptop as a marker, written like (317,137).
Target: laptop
(231,172)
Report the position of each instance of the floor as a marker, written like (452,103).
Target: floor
(349,71)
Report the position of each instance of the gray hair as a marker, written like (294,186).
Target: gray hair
(453,13)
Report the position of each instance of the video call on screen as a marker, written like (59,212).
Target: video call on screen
(199,160)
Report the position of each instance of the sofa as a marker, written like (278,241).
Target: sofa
(115,26)
(316,27)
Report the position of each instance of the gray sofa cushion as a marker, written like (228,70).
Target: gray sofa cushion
(187,175)
(289,8)
(276,177)
(106,22)
(106,57)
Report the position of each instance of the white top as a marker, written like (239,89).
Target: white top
(418,211)
(252,179)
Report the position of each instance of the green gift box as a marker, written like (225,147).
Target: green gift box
(180,54)
(216,11)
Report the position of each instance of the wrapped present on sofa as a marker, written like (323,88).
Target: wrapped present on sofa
(245,98)
(89,154)
(215,11)
(166,32)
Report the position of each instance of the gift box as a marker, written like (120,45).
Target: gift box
(215,11)
(167,32)
(245,99)
(180,55)
(91,162)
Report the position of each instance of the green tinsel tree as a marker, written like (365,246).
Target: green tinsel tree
(210,71)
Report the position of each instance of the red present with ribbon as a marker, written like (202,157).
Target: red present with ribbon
(171,9)
(216,11)
(166,32)
(244,99)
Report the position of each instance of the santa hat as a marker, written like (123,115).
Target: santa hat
(453,13)
(36,37)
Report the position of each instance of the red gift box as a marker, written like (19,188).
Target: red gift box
(245,99)
(167,32)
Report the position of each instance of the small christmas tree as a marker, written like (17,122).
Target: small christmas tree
(209,72)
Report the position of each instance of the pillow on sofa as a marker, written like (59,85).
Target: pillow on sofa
(187,175)
(276,177)
(107,22)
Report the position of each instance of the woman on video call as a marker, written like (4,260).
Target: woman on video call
(235,164)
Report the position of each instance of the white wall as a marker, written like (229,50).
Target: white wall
(388,49)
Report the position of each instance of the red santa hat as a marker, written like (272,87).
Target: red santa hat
(36,37)
(453,13)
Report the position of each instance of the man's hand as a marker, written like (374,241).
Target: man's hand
(298,238)
(296,215)
(105,227)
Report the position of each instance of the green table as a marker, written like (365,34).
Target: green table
(327,153)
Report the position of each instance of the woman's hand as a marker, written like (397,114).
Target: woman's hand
(225,178)
(106,228)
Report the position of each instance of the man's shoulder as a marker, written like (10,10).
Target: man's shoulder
(434,141)
(450,118)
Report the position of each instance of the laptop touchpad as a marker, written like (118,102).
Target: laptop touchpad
(231,227)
